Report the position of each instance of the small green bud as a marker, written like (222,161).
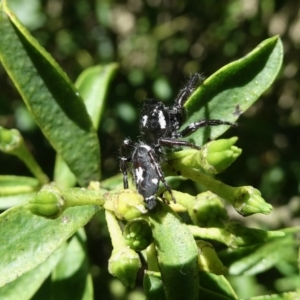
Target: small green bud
(47,203)
(213,158)
(248,201)
(208,261)
(126,204)
(137,234)
(219,155)
(124,264)
(208,210)
(10,140)
(6,136)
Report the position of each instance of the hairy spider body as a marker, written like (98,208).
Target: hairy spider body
(146,171)
(160,128)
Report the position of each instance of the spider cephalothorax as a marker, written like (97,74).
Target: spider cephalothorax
(160,124)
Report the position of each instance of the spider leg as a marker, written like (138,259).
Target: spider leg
(124,170)
(127,144)
(177,143)
(160,174)
(187,90)
(194,126)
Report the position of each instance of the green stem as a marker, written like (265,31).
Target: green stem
(152,259)
(51,202)
(221,189)
(81,196)
(183,199)
(11,142)
(209,233)
(114,230)
(32,165)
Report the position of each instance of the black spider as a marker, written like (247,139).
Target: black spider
(159,128)
(146,170)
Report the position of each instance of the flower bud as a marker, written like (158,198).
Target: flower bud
(10,140)
(47,203)
(124,264)
(137,234)
(126,204)
(219,154)
(248,201)
(208,210)
(208,261)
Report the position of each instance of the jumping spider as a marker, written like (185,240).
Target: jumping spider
(146,170)
(159,128)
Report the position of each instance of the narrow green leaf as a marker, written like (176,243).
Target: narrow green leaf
(12,185)
(216,284)
(265,257)
(50,97)
(25,286)
(71,278)
(93,85)
(112,183)
(177,254)
(63,176)
(283,296)
(27,240)
(13,200)
(234,88)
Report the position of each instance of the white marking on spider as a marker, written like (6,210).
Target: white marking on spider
(154,180)
(139,174)
(144,120)
(148,148)
(162,120)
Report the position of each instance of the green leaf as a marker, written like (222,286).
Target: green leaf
(13,200)
(216,285)
(153,287)
(234,88)
(283,296)
(93,85)
(264,257)
(50,97)
(71,278)
(27,240)
(12,185)
(25,286)
(177,254)
(112,183)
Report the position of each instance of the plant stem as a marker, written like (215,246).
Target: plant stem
(114,229)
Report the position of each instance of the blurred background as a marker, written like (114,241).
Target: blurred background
(158,44)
